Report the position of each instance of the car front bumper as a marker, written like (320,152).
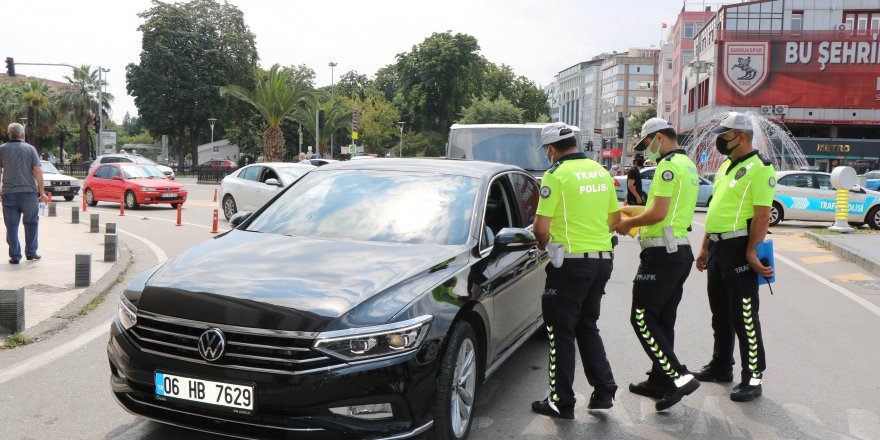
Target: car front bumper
(295,405)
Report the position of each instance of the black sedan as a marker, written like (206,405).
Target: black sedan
(367,300)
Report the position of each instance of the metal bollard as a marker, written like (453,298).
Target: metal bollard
(83,270)
(74,215)
(11,310)
(94,227)
(110,248)
(110,228)
(52,211)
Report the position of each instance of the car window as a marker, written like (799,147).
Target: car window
(823,181)
(498,212)
(113,172)
(142,172)
(374,205)
(269,174)
(797,181)
(873,175)
(47,167)
(252,173)
(526,190)
(100,173)
(648,174)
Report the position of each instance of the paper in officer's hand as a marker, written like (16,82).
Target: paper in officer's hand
(556,252)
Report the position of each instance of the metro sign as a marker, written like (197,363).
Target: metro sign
(746,65)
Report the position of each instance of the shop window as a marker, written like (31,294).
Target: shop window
(797,21)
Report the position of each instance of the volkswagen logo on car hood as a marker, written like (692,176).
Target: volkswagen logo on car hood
(212,344)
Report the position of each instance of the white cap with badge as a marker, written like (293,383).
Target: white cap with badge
(734,121)
(556,132)
(650,127)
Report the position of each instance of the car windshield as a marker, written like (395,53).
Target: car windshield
(292,172)
(372,205)
(513,146)
(873,175)
(142,172)
(47,167)
(144,160)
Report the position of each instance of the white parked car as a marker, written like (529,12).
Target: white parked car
(131,158)
(704,196)
(250,187)
(809,195)
(60,185)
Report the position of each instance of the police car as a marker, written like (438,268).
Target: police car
(808,195)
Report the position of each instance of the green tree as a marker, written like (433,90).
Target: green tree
(424,144)
(486,111)
(36,100)
(378,121)
(387,81)
(438,78)
(79,101)
(634,126)
(275,98)
(190,50)
(337,119)
(352,84)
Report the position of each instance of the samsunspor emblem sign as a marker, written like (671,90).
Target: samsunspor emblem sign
(746,65)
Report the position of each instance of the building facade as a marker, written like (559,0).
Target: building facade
(812,65)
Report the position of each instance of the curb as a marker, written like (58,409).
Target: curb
(846,252)
(102,287)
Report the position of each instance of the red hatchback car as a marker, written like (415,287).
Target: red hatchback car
(140,184)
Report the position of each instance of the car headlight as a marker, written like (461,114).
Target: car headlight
(372,342)
(127,313)
(147,189)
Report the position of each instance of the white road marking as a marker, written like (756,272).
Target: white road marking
(711,413)
(809,423)
(867,305)
(54,354)
(183,223)
(863,424)
(160,254)
(541,426)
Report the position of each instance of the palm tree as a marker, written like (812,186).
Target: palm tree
(9,103)
(275,97)
(79,100)
(337,117)
(38,103)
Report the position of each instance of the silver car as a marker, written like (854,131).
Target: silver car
(809,195)
(703,198)
(250,187)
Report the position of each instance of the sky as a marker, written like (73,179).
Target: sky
(536,38)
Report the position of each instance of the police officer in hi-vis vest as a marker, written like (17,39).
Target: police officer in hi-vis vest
(576,211)
(666,261)
(736,223)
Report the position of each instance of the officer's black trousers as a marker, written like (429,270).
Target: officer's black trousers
(570,304)
(657,291)
(733,299)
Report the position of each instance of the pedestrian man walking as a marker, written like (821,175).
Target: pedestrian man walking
(576,211)
(21,193)
(736,222)
(635,194)
(52,159)
(666,261)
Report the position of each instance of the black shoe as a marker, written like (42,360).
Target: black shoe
(601,400)
(674,396)
(714,373)
(33,257)
(13,261)
(543,407)
(745,392)
(650,389)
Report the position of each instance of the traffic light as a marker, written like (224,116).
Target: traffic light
(10,66)
(320,119)
(589,145)
(620,127)
(97,123)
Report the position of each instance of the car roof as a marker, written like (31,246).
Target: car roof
(785,173)
(281,165)
(470,168)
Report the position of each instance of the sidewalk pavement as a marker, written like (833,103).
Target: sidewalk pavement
(51,299)
(860,247)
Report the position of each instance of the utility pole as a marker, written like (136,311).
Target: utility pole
(332,65)
(317,131)
(401,137)
(99,144)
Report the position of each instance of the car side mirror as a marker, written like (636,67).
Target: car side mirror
(272,182)
(239,218)
(513,240)
(116,178)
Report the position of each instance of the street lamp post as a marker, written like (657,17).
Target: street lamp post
(698,66)
(401,137)
(212,121)
(332,65)
(23,122)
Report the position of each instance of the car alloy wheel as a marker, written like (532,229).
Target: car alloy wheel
(90,198)
(130,200)
(873,218)
(775,214)
(229,208)
(457,384)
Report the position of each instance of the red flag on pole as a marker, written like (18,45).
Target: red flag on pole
(663,25)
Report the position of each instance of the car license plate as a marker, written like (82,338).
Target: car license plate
(62,188)
(169,195)
(239,397)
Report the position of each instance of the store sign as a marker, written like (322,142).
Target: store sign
(746,65)
(612,153)
(809,69)
(844,148)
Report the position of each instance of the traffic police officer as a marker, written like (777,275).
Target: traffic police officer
(736,222)
(576,211)
(666,261)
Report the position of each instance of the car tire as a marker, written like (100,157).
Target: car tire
(131,201)
(776,214)
(229,207)
(457,382)
(873,218)
(90,198)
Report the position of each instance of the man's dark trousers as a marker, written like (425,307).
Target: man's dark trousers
(570,304)
(21,207)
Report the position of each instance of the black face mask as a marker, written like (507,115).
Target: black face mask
(722,145)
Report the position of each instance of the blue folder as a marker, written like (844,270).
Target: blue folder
(765,250)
